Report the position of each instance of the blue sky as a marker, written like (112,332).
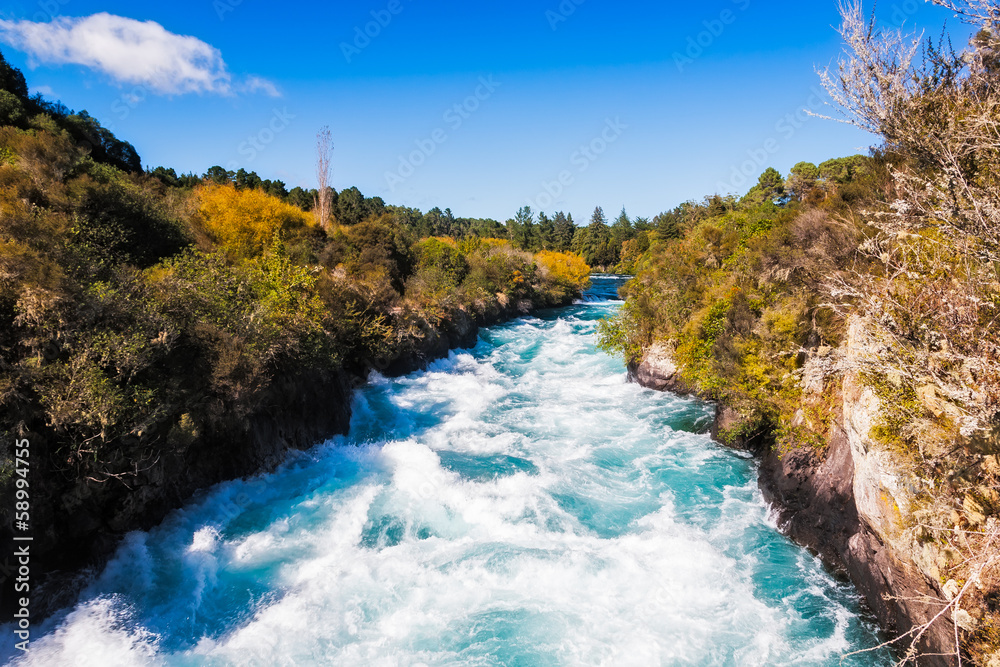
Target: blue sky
(560,105)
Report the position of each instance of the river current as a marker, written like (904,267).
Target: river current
(516,504)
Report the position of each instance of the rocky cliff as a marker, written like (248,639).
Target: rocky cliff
(849,501)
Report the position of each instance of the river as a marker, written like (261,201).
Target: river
(516,504)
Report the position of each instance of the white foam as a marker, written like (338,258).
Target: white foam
(96,634)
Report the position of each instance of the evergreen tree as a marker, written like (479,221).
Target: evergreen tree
(166,175)
(621,231)
(546,232)
(275,188)
(350,206)
(449,224)
(668,225)
(12,80)
(219,175)
(521,229)
(596,248)
(770,187)
(301,198)
(801,179)
(564,231)
(247,181)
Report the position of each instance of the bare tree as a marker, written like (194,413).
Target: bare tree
(324,169)
(938,113)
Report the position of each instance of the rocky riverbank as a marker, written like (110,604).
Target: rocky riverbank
(848,501)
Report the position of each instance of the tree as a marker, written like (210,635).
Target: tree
(597,218)
(374,207)
(12,80)
(487,229)
(244,222)
(324,169)
(275,188)
(844,169)
(350,206)
(431,224)
(166,175)
(770,188)
(12,110)
(302,198)
(621,231)
(219,175)
(546,232)
(521,229)
(801,179)
(595,246)
(564,231)
(103,145)
(247,180)
(668,225)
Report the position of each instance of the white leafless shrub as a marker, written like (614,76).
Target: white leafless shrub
(324,169)
(938,241)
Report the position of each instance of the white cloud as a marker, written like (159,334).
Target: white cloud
(132,52)
(255,84)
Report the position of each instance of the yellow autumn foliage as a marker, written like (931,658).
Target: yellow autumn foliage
(244,222)
(566,268)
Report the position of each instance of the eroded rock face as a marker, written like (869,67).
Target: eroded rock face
(849,503)
(657,370)
(813,497)
(884,557)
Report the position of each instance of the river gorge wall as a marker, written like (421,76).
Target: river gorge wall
(849,502)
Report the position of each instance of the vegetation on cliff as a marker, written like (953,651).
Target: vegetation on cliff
(737,289)
(750,293)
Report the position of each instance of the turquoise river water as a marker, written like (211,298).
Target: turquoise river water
(516,504)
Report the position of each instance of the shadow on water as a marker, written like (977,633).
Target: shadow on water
(604,287)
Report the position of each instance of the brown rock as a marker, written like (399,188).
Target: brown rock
(657,370)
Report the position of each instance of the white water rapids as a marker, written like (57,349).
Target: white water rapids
(516,504)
